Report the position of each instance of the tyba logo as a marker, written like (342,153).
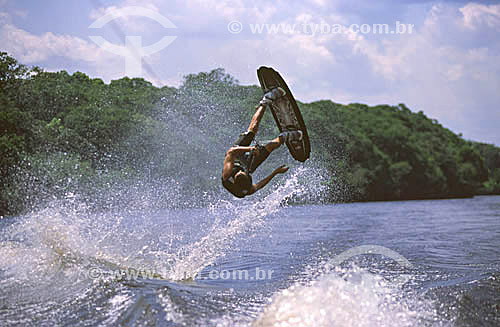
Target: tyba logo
(133,51)
(371,250)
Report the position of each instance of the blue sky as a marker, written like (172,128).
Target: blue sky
(448,67)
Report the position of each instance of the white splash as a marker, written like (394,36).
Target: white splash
(355,298)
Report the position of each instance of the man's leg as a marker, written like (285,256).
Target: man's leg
(262,152)
(273,145)
(282,138)
(268,98)
(257,117)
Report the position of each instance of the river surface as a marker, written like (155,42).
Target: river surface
(261,263)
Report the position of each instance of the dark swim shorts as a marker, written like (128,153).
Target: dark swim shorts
(251,160)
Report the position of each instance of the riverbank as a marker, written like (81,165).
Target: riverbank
(67,135)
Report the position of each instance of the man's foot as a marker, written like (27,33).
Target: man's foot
(272,95)
(289,136)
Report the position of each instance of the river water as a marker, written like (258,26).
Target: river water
(257,262)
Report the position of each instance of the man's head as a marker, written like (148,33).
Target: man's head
(243,180)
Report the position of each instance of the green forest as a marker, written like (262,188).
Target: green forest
(68,135)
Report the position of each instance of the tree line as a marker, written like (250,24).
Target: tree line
(64,134)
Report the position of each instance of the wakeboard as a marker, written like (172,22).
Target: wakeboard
(286,113)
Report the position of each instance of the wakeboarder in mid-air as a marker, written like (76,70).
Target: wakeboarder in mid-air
(242,159)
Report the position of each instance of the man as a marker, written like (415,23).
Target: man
(242,159)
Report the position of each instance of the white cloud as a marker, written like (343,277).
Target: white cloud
(233,9)
(130,23)
(196,13)
(102,11)
(320,3)
(475,15)
(34,49)
(30,48)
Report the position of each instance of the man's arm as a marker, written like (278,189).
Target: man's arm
(280,170)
